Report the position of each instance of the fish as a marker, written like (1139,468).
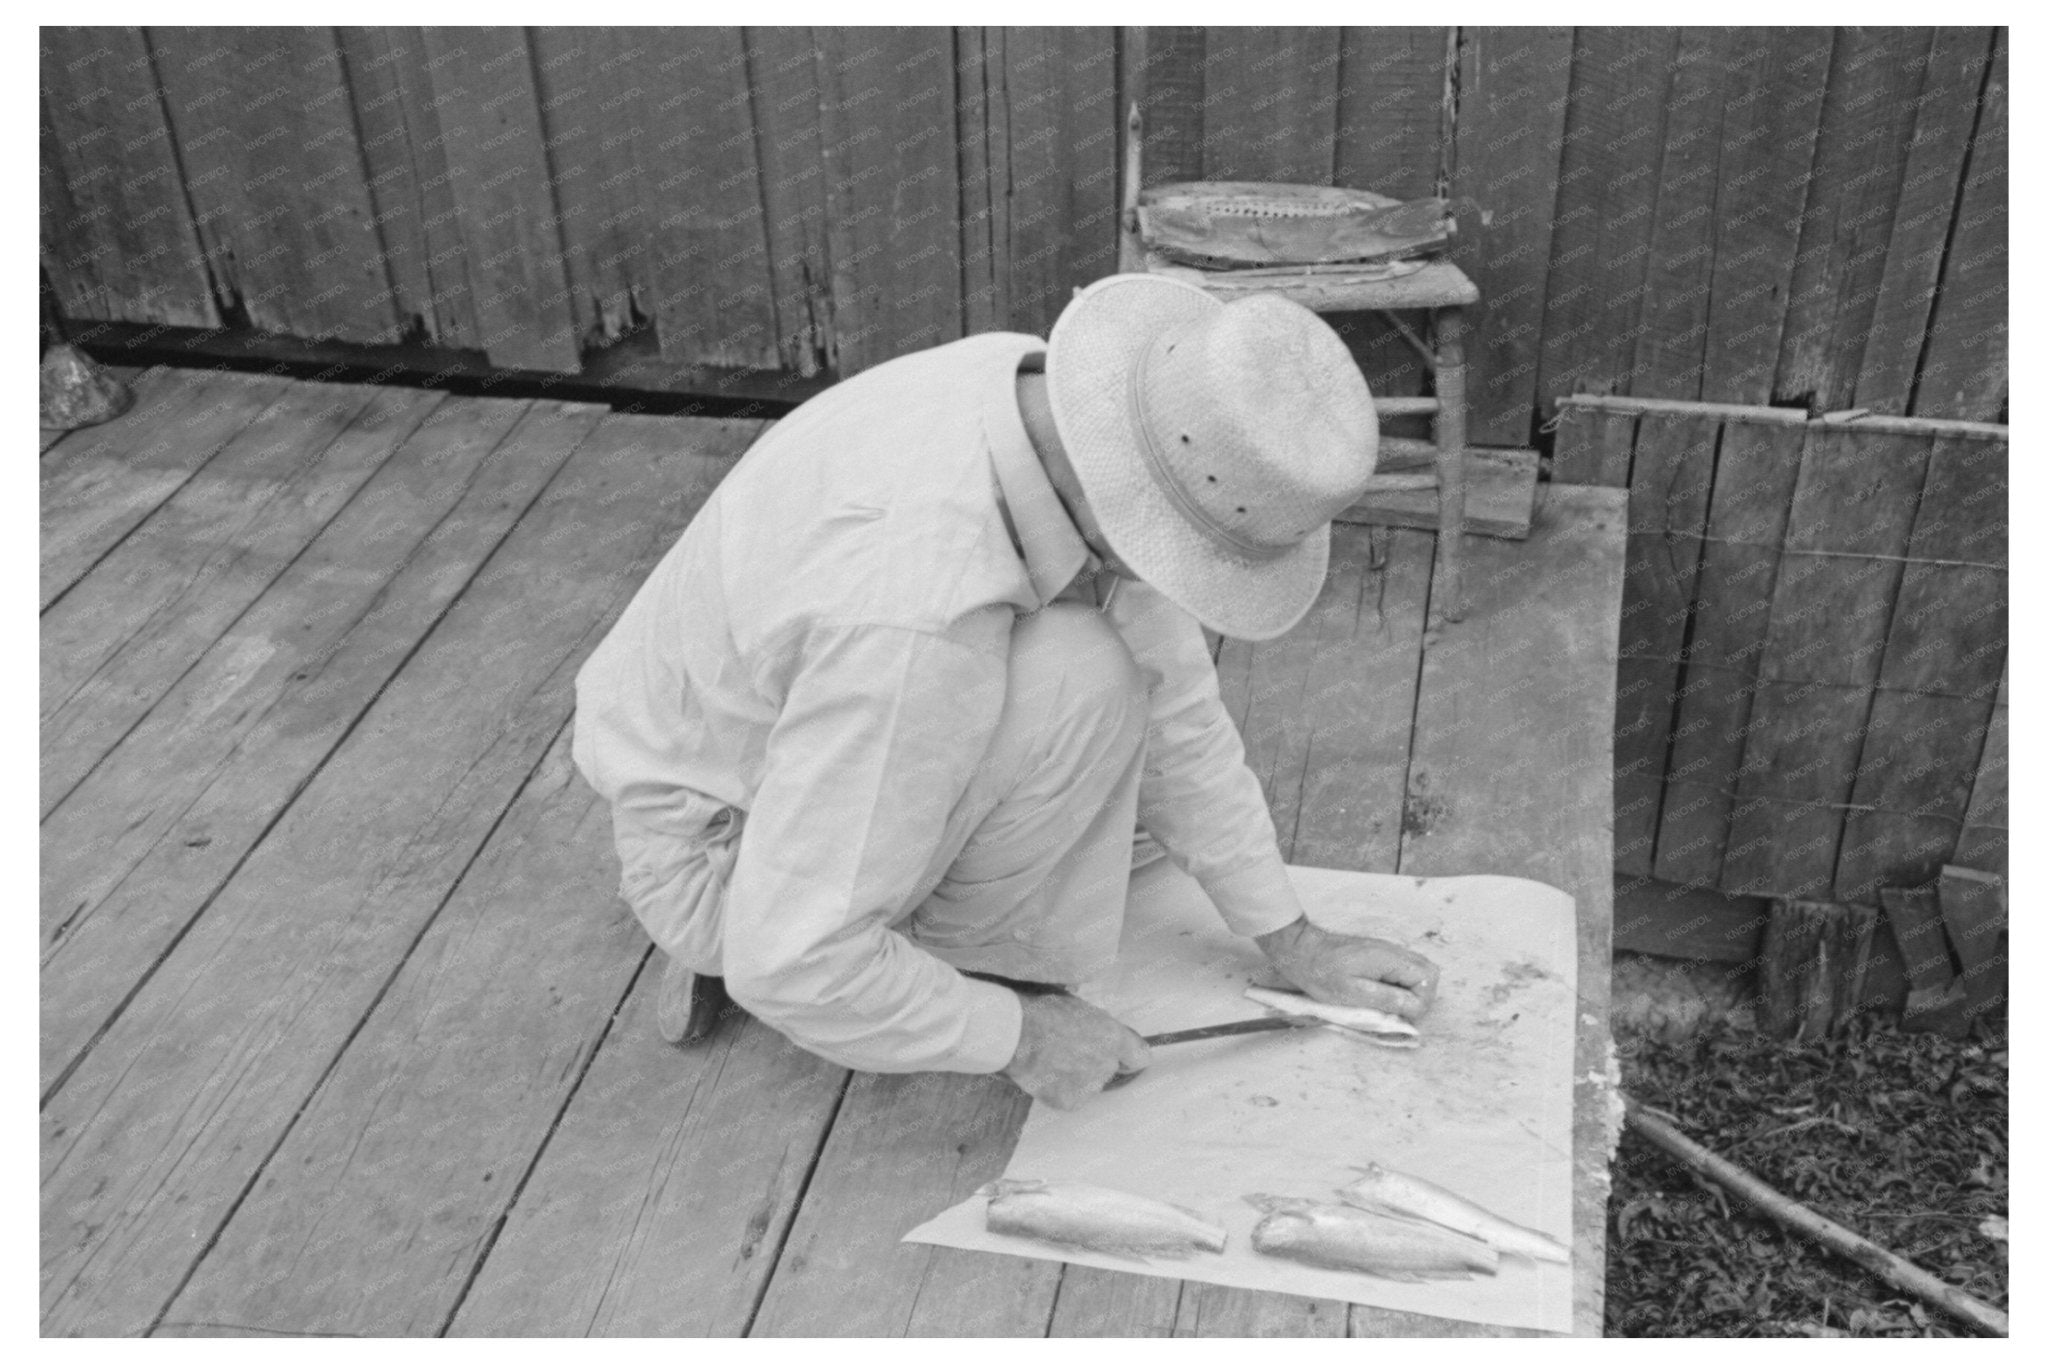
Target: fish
(1339,1236)
(1389,1030)
(1090,1217)
(1389,1191)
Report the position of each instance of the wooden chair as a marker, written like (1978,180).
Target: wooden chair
(1439,289)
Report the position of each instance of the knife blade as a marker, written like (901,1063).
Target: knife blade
(1265,1023)
(1268,1023)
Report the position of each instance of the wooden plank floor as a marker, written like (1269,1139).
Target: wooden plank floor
(344,1031)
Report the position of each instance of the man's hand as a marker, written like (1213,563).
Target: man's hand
(1339,968)
(1069,1049)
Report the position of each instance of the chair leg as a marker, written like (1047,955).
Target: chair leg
(1450,462)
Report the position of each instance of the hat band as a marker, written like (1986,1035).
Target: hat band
(1155,463)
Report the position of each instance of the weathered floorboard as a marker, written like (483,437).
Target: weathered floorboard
(1514,732)
(1383,1322)
(660,1202)
(371,1216)
(157,1134)
(1208,1309)
(152,834)
(105,483)
(1103,1302)
(159,600)
(1325,712)
(153,389)
(1279,719)
(1361,687)
(903,1149)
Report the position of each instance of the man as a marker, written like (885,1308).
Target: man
(880,731)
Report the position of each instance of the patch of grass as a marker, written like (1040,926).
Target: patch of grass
(1900,1137)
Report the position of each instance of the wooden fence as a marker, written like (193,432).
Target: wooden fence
(1809,217)
(1812,699)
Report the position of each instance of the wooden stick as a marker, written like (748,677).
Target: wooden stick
(1893,1269)
(1733,412)
(1788,416)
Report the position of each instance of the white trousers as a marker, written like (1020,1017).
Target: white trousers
(1030,876)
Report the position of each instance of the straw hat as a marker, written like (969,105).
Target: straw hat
(1214,441)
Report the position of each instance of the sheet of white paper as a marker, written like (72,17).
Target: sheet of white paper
(1483,1107)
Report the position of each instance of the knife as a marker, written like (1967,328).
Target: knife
(1267,1023)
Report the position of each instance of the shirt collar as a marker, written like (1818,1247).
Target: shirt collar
(1053,549)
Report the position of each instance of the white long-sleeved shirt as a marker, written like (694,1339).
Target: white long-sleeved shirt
(825,649)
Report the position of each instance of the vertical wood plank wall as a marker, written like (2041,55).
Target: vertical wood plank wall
(1801,216)
(1812,697)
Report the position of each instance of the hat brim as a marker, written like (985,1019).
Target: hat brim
(1090,358)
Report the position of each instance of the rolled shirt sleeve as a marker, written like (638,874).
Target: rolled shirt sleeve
(878,734)
(1198,798)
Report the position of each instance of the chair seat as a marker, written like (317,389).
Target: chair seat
(1326,288)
